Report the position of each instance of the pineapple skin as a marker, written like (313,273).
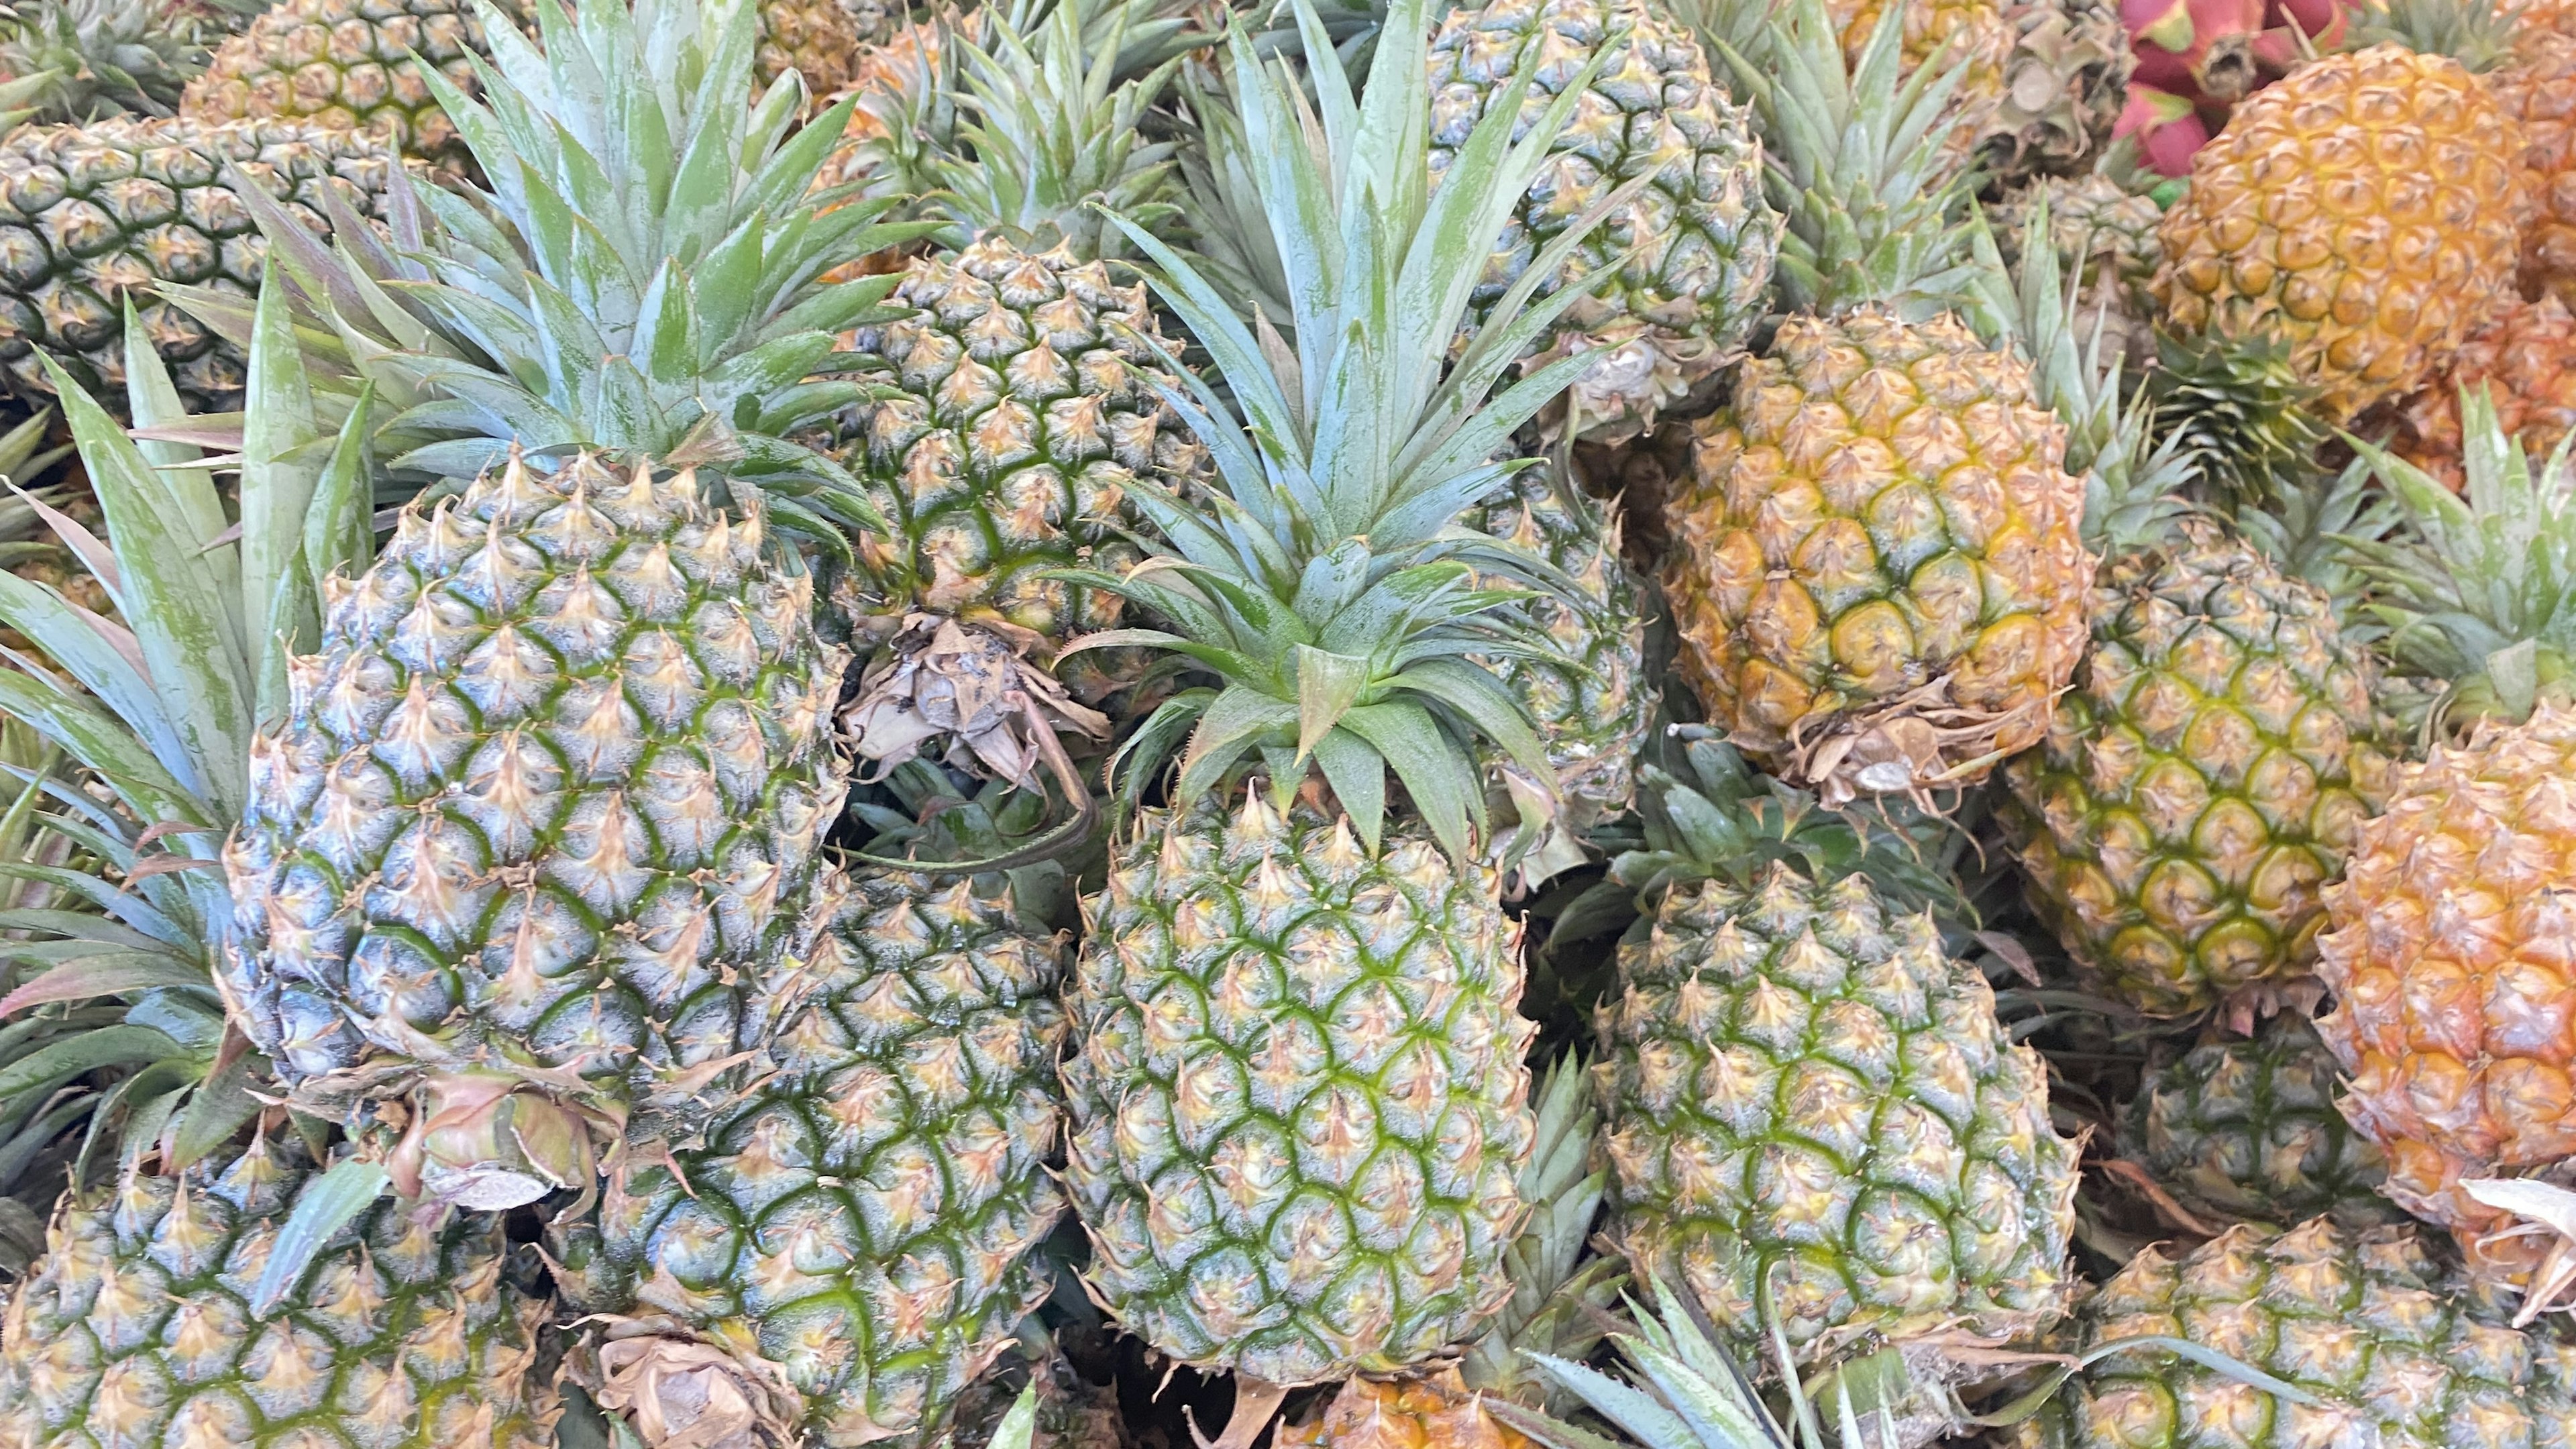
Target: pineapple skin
(1431,1411)
(2248,1128)
(1879,540)
(2444,949)
(864,1219)
(1594,716)
(348,65)
(549,798)
(2538,89)
(1024,409)
(2366,209)
(2362,1320)
(1795,1083)
(1705,239)
(2525,357)
(92,215)
(135,1329)
(1298,1093)
(2203,779)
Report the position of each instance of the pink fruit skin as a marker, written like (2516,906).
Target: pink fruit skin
(2197,49)
(2169,129)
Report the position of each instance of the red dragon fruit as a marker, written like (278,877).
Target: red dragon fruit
(2198,58)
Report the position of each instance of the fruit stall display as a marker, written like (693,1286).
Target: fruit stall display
(1124,724)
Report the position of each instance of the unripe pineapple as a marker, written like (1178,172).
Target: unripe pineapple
(2525,358)
(2204,778)
(1298,1096)
(2365,210)
(1699,239)
(1810,1102)
(92,216)
(2248,1129)
(860,1224)
(2105,236)
(136,1329)
(2360,1323)
(1594,707)
(1875,570)
(541,819)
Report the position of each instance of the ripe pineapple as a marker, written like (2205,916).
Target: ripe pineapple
(1298,1098)
(2525,357)
(2437,941)
(2247,1128)
(1699,239)
(2536,86)
(1809,1099)
(1973,36)
(92,216)
(1875,571)
(858,1226)
(136,1328)
(357,63)
(2360,1322)
(2375,292)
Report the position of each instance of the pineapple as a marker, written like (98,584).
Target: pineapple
(139,1326)
(2536,85)
(2219,748)
(539,825)
(2104,237)
(2248,1129)
(477,867)
(858,1227)
(93,217)
(2525,358)
(1974,37)
(1811,1105)
(1559,1298)
(1875,571)
(1698,240)
(2374,292)
(2358,1322)
(358,63)
(1023,403)
(1297,1093)
(2437,941)
(1595,706)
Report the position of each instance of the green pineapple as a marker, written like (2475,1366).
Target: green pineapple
(858,1226)
(2205,776)
(1698,239)
(542,815)
(1022,403)
(95,216)
(2248,1129)
(102,58)
(140,1327)
(2361,1323)
(1815,1123)
(1298,1099)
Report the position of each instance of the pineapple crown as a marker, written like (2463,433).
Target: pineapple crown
(1560,1297)
(1860,164)
(2477,33)
(1052,144)
(642,275)
(1320,575)
(103,57)
(153,705)
(2478,592)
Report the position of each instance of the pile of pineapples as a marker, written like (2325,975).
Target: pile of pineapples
(1114,723)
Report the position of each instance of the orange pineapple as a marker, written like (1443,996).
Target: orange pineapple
(2365,210)
(2525,356)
